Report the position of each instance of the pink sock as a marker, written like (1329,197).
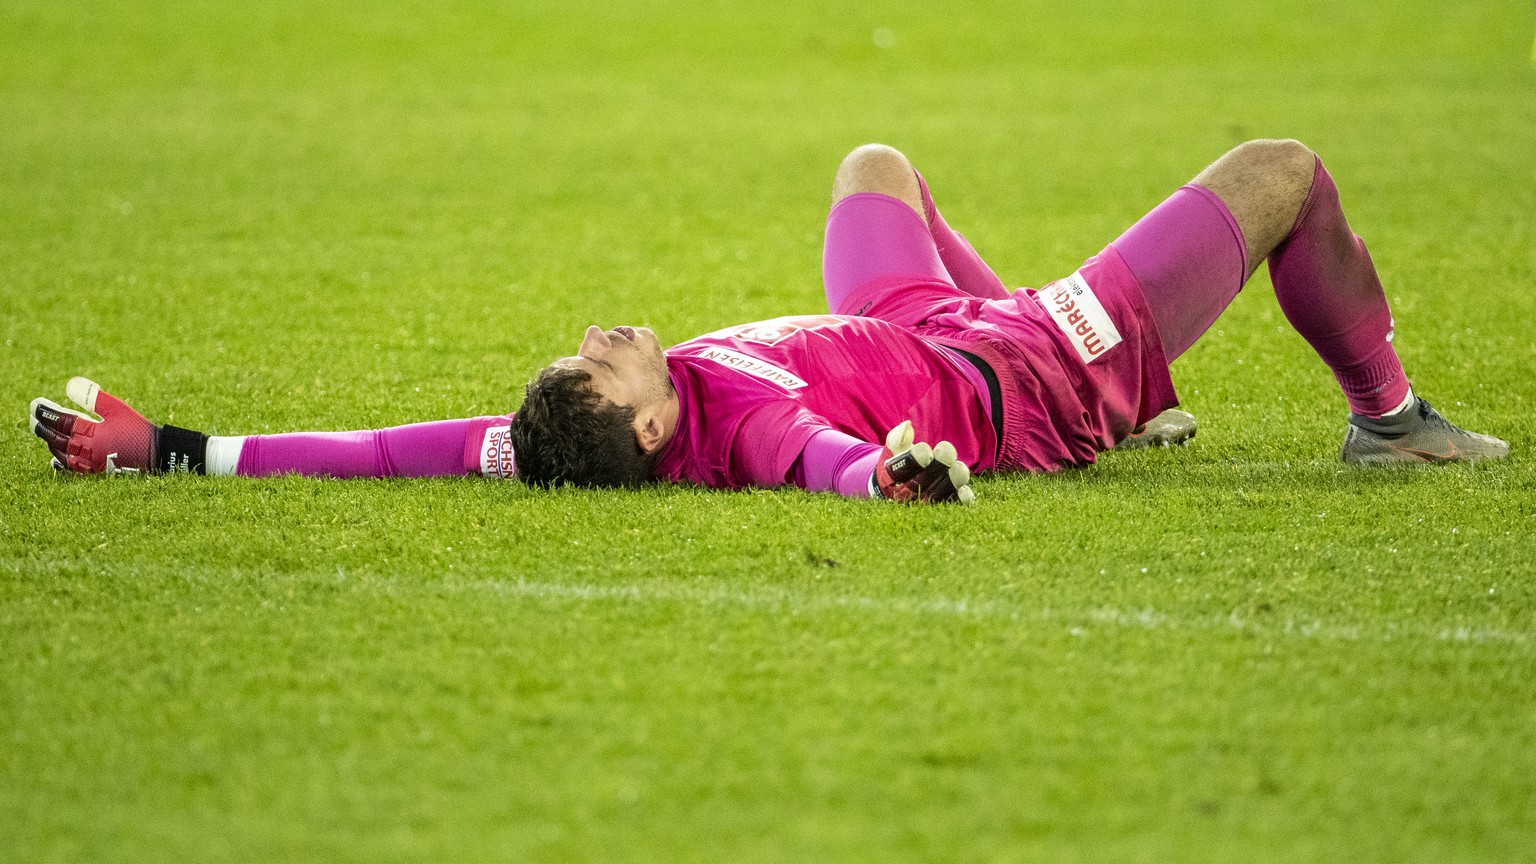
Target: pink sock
(1328,290)
(971,274)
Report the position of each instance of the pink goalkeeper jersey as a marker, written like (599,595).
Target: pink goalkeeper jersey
(751,396)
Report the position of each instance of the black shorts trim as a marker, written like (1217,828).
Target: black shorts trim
(994,390)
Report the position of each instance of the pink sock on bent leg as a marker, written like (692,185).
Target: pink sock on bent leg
(1329,291)
(965,266)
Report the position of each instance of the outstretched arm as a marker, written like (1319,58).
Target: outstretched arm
(436,449)
(123,441)
(835,462)
(903,470)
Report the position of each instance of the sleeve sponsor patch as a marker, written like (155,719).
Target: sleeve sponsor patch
(496,456)
(1073,306)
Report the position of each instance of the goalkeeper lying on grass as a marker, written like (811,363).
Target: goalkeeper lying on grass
(925,342)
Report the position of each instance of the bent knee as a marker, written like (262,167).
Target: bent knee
(1268,173)
(878,168)
(1286,159)
(875,156)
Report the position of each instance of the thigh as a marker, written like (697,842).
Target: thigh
(1190,259)
(879,259)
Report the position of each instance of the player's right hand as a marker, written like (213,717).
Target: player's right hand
(913,472)
(122,441)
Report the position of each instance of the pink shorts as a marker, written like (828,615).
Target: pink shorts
(1079,362)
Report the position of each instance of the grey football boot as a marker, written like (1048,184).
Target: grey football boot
(1417,434)
(1170,427)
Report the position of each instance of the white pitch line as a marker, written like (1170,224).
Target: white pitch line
(1077,622)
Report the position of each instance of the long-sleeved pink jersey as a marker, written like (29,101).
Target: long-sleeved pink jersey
(752,396)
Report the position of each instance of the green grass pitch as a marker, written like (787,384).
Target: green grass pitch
(268,216)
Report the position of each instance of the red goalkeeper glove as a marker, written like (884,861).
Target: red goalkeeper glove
(121,442)
(913,472)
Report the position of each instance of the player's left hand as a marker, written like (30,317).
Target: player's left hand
(913,472)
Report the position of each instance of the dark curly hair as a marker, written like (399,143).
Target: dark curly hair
(567,433)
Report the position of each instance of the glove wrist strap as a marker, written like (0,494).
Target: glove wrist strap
(180,451)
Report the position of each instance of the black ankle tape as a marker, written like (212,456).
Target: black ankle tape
(181,451)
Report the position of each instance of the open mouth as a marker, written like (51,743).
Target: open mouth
(627,332)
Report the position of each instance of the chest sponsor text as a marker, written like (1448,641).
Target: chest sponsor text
(753,366)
